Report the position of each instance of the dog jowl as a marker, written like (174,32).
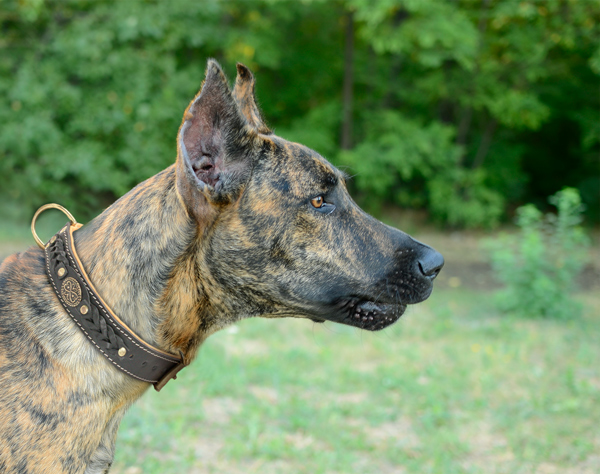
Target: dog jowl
(243,224)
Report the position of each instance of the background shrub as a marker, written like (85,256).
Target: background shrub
(540,263)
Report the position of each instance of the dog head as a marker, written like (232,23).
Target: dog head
(280,235)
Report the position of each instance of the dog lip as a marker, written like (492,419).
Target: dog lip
(375,316)
(367,314)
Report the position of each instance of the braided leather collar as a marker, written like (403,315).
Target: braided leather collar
(103,329)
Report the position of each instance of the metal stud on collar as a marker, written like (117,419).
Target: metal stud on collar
(42,209)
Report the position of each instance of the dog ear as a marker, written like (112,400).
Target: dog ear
(213,146)
(243,93)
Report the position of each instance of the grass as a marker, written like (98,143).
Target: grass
(453,387)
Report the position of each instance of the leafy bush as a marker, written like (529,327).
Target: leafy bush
(92,96)
(539,264)
(461,197)
(317,129)
(457,108)
(414,165)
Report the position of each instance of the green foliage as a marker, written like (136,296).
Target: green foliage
(462,108)
(461,197)
(94,97)
(411,164)
(517,109)
(432,32)
(540,263)
(397,150)
(504,76)
(317,129)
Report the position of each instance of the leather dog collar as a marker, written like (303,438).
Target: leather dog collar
(102,327)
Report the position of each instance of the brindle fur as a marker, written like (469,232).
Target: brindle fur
(226,233)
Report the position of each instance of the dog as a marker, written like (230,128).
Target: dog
(243,224)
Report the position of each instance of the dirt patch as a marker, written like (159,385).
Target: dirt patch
(250,466)
(590,466)
(266,394)
(352,398)
(219,410)
(398,433)
(299,440)
(368,465)
(487,447)
(472,275)
(208,447)
(467,264)
(237,346)
(480,276)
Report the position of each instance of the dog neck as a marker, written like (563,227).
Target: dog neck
(136,253)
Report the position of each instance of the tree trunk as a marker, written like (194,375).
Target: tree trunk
(346,142)
(486,142)
(464,125)
(467,112)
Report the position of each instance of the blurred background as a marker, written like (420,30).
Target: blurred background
(472,124)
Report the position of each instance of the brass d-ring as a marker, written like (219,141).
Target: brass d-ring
(42,209)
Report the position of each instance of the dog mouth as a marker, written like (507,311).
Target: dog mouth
(374,316)
(363,311)
(365,314)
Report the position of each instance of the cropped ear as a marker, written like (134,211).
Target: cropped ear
(213,146)
(243,93)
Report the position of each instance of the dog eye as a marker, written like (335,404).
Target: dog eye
(317,202)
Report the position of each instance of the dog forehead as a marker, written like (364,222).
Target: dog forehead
(299,164)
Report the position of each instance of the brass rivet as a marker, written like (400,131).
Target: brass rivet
(84,309)
(61,272)
(53,239)
(122,352)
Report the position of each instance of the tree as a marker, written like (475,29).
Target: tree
(464,108)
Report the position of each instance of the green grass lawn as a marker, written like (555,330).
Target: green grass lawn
(453,387)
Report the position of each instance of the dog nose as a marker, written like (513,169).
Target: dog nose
(431,263)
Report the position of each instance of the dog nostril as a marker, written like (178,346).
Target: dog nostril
(431,264)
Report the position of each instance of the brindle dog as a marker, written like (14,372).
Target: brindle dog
(244,224)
